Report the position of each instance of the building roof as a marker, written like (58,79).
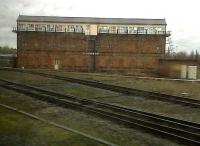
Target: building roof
(55,19)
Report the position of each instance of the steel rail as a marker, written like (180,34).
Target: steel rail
(184,133)
(108,105)
(57,125)
(120,89)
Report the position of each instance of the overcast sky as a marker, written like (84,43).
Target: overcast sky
(182,16)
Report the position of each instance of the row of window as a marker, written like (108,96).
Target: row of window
(102,29)
(130,30)
(50,28)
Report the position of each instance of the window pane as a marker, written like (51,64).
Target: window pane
(103,29)
(141,30)
(71,28)
(78,29)
(122,29)
(112,29)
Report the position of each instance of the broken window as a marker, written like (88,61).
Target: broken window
(78,28)
(122,29)
(50,27)
(21,27)
(40,27)
(132,30)
(141,30)
(58,28)
(70,28)
(30,27)
(103,29)
(112,29)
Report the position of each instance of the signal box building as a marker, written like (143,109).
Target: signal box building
(90,44)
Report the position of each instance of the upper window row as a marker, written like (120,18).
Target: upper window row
(130,30)
(50,28)
(101,29)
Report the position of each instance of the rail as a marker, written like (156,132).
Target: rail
(56,125)
(120,89)
(178,130)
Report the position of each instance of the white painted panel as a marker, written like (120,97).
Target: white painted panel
(93,29)
(56,66)
(183,71)
(192,72)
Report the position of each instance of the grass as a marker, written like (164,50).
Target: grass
(18,130)
(38,134)
(164,86)
(56,85)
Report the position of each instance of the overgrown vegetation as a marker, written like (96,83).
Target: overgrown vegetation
(7,50)
(183,55)
(18,130)
(34,133)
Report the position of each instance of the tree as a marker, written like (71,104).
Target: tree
(197,56)
(192,55)
(7,50)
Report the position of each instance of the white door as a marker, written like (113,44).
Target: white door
(183,71)
(56,64)
(192,72)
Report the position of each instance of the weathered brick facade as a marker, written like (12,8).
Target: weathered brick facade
(77,51)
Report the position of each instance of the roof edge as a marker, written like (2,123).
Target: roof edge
(98,18)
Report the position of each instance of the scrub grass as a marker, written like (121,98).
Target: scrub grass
(165,86)
(78,120)
(19,130)
(56,85)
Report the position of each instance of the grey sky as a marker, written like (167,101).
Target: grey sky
(181,15)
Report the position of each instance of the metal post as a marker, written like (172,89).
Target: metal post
(94,58)
(17,46)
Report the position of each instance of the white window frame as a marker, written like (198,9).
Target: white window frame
(141,30)
(40,27)
(58,28)
(113,29)
(50,28)
(78,28)
(22,27)
(104,29)
(30,27)
(132,30)
(122,29)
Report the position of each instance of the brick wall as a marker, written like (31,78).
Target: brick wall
(73,51)
(129,52)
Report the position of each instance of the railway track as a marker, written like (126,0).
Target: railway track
(184,132)
(98,140)
(125,90)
